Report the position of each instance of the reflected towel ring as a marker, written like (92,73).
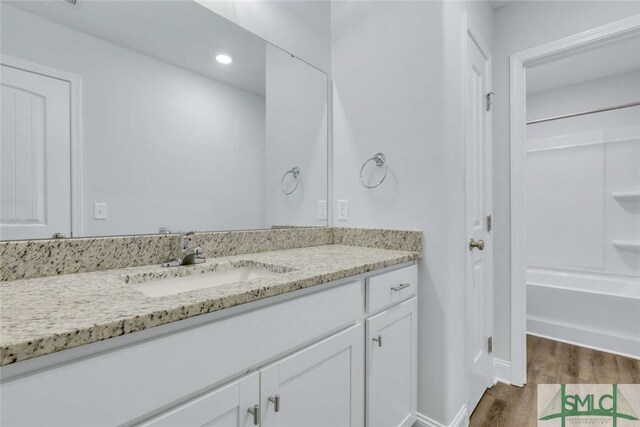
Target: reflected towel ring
(295,172)
(380,161)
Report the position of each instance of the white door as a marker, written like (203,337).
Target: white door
(227,406)
(35,156)
(391,366)
(319,386)
(479,292)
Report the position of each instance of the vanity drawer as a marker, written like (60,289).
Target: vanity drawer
(390,288)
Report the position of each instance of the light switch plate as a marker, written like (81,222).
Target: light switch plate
(343,210)
(99,211)
(322,210)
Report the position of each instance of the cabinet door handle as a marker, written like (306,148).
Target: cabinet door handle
(378,339)
(255,411)
(400,287)
(276,402)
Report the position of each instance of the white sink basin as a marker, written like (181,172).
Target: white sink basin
(177,285)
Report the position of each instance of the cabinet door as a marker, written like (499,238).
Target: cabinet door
(223,407)
(392,366)
(321,385)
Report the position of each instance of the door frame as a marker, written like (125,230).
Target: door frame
(469,29)
(517,120)
(75,113)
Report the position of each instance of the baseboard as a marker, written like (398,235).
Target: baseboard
(461,420)
(607,343)
(501,371)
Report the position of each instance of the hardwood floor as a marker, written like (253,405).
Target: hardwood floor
(550,362)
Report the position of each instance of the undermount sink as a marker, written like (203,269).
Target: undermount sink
(176,285)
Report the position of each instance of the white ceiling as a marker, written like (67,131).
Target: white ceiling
(608,59)
(150,27)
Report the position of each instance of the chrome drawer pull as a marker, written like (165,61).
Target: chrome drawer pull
(255,411)
(378,339)
(400,287)
(276,402)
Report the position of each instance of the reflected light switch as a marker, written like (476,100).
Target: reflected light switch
(322,210)
(343,210)
(99,211)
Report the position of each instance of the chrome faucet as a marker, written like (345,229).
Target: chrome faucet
(189,254)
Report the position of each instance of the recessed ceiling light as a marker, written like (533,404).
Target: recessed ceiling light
(224,59)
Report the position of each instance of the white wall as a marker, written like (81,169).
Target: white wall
(162,146)
(396,69)
(574,166)
(296,136)
(519,26)
(300,27)
(581,287)
(603,92)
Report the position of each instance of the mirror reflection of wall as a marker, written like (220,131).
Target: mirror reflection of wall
(296,110)
(169,137)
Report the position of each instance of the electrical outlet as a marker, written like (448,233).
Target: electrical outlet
(99,211)
(322,210)
(343,210)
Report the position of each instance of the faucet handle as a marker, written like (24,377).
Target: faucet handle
(188,253)
(185,239)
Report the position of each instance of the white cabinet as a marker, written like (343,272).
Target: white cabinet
(319,386)
(124,384)
(223,407)
(392,366)
(309,354)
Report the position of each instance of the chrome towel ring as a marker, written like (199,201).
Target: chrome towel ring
(295,172)
(380,161)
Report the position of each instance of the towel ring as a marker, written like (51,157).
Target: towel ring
(380,161)
(295,172)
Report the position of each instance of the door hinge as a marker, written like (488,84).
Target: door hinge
(489,223)
(489,100)
(490,344)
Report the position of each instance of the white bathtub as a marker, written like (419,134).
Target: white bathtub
(595,311)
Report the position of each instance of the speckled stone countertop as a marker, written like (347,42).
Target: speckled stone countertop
(49,314)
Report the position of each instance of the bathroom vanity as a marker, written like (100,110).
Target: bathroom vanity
(154,117)
(326,338)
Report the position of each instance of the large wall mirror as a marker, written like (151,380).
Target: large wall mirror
(140,117)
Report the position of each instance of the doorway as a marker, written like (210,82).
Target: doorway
(562,177)
(575,220)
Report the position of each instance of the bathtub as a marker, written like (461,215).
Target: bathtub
(595,311)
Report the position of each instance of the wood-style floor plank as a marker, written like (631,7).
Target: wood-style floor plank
(550,362)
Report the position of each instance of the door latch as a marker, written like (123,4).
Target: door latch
(489,100)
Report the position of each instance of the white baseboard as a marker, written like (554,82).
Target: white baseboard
(605,342)
(461,420)
(501,371)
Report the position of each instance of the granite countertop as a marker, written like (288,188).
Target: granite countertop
(50,314)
